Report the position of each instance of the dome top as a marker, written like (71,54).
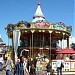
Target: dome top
(38,13)
(38,3)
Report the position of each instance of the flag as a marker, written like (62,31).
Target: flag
(16,38)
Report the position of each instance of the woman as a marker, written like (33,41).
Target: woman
(59,67)
(21,67)
(9,65)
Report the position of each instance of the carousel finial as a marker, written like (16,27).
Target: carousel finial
(38,3)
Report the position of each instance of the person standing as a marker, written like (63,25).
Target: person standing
(25,67)
(9,65)
(59,66)
(32,70)
(34,62)
(48,67)
(20,67)
(29,62)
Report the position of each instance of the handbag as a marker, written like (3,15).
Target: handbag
(62,64)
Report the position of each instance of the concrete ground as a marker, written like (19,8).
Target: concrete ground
(2,72)
(37,73)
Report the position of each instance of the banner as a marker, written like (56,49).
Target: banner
(16,38)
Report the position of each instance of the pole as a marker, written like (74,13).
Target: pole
(68,42)
(30,45)
(13,50)
(40,41)
(63,39)
(50,46)
(43,43)
(13,55)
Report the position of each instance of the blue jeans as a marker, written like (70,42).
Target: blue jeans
(8,72)
(59,71)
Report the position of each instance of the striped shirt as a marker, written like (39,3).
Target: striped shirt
(19,70)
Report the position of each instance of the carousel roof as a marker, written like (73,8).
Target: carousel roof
(38,14)
(39,23)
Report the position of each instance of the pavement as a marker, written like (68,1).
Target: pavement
(38,73)
(2,72)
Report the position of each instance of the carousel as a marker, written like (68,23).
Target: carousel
(38,36)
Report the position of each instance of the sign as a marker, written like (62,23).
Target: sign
(39,68)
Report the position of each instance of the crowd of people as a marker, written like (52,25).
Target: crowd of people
(23,66)
(27,66)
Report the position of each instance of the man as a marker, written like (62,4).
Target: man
(32,70)
(58,65)
(48,68)
(21,67)
(34,62)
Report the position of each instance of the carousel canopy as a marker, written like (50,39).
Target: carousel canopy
(67,51)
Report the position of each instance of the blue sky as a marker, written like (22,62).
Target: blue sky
(13,11)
